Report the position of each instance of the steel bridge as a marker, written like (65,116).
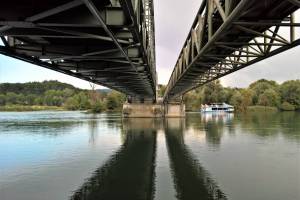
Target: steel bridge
(228,35)
(112,43)
(106,42)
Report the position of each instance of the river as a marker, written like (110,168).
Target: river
(52,155)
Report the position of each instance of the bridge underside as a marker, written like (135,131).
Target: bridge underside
(228,35)
(107,42)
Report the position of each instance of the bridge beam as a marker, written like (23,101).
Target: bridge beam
(106,42)
(229,36)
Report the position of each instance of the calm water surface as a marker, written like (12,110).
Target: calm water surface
(72,155)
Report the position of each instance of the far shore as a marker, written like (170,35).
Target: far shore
(23,108)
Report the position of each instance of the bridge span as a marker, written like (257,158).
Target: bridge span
(107,42)
(228,35)
(112,43)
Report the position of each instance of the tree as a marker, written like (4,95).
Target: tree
(30,99)
(192,100)
(161,90)
(260,86)
(97,106)
(79,101)
(212,92)
(2,99)
(114,100)
(287,106)
(11,98)
(269,98)
(247,96)
(236,100)
(53,98)
(290,92)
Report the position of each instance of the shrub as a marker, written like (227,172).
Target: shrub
(97,107)
(285,106)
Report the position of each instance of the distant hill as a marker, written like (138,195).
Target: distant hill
(103,91)
(36,88)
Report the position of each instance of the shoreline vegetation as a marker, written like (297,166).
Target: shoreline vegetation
(262,95)
(54,95)
(24,108)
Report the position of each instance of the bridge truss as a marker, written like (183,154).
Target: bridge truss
(107,42)
(228,35)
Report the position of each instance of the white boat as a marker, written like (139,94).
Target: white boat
(217,107)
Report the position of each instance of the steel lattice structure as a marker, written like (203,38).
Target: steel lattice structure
(228,35)
(107,42)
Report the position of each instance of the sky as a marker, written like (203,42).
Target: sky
(173,20)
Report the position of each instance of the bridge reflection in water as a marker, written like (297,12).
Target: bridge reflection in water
(130,172)
(191,180)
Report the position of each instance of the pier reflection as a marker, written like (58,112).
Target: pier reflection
(129,173)
(191,180)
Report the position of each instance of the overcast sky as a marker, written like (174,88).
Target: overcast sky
(173,19)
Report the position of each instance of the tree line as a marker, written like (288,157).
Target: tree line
(54,93)
(264,93)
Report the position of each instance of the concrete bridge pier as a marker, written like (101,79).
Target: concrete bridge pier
(174,109)
(153,110)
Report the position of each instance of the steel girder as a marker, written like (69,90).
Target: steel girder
(107,42)
(228,35)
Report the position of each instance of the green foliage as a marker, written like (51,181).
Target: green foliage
(236,100)
(213,92)
(2,99)
(53,94)
(114,100)
(161,90)
(260,94)
(192,100)
(97,107)
(286,106)
(79,101)
(260,86)
(290,92)
(21,108)
(37,88)
(262,109)
(53,98)
(247,99)
(269,98)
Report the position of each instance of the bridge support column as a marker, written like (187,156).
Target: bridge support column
(174,110)
(140,110)
(150,110)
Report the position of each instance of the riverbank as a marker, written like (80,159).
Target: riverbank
(22,108)
(262,109)
(256,109)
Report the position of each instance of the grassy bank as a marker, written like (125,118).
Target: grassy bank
(262,109)
(20,108)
